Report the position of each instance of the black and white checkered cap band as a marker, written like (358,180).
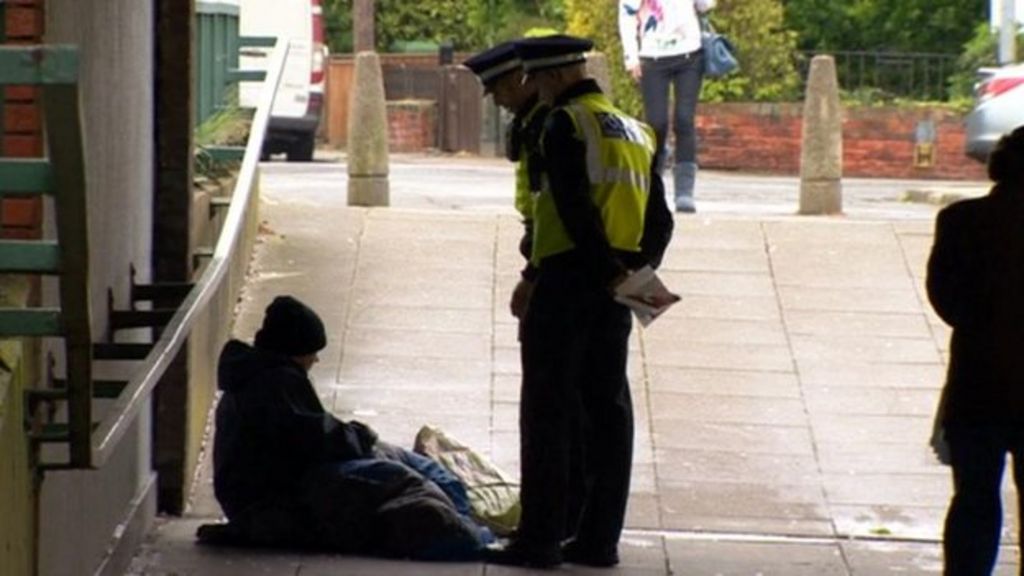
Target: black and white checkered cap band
(553,61)
(506,66)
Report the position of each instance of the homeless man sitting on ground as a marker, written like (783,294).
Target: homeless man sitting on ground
(288,473)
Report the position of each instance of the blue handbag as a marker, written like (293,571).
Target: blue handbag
(719,52)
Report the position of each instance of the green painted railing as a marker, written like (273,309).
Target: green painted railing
(216,56)
(62,175)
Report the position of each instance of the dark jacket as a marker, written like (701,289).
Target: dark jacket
(271,429)
(976,284)
(523,147)
(288,473)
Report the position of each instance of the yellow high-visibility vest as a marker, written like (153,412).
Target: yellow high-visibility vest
(524,191)
(620,150)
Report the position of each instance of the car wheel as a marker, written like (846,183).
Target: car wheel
(302,150)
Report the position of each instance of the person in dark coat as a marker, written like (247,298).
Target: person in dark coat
(601,213)
(288,473)
(976,284)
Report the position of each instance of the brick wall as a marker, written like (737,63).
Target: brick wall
(21,126)
(877,142)
(411,125)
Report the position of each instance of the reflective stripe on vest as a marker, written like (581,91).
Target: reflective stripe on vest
(619,152)
(524,192)
(524,196)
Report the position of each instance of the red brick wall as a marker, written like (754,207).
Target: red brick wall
(877,142)
(411,125)
(21,126)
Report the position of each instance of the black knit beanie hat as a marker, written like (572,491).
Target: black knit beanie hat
(291,328)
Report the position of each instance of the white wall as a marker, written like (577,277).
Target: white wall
(82,510)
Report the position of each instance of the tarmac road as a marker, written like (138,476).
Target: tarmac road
(476,184)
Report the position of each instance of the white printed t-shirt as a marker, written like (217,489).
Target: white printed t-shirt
(659,28)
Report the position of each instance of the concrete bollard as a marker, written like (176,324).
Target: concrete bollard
(821,153)
(367,134)
(597,68)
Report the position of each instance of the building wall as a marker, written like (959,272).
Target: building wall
(411,125)
(15,483)
(877,142)
(82,510)
(20,22)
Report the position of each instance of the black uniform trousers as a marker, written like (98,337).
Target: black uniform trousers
(575,409)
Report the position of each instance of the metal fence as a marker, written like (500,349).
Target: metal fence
(216,54)
(912,75)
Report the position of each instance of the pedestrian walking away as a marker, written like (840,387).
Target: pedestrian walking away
(661,43)
(600,213)
(976,284)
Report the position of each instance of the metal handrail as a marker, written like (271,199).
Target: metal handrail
(127,406)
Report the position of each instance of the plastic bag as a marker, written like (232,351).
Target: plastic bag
(493,495)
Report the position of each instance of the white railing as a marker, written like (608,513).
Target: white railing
(244,201)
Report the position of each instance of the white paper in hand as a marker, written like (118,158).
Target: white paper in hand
(645,294)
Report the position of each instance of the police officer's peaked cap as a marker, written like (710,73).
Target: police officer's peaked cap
(494,63)
(555,51)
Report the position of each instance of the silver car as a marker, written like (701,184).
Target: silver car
(998,108)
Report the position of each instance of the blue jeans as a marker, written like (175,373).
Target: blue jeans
(684,73)
(450,484)
(975,518)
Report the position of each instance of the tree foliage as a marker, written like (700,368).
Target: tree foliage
(596,19)
(467,24)
(765,48)
(941,26)
(395,21)
(337,16)
(980,51)
(767,34)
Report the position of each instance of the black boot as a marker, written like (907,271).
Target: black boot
(596,556)
(518,553)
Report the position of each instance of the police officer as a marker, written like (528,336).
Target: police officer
(600,213)
(501,73)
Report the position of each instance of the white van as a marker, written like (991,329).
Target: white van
(296,114)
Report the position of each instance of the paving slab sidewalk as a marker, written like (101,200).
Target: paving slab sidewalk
(783,407)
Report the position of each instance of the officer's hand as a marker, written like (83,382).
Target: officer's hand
(521,298)
(636,72)
(614,284)
(940,446)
